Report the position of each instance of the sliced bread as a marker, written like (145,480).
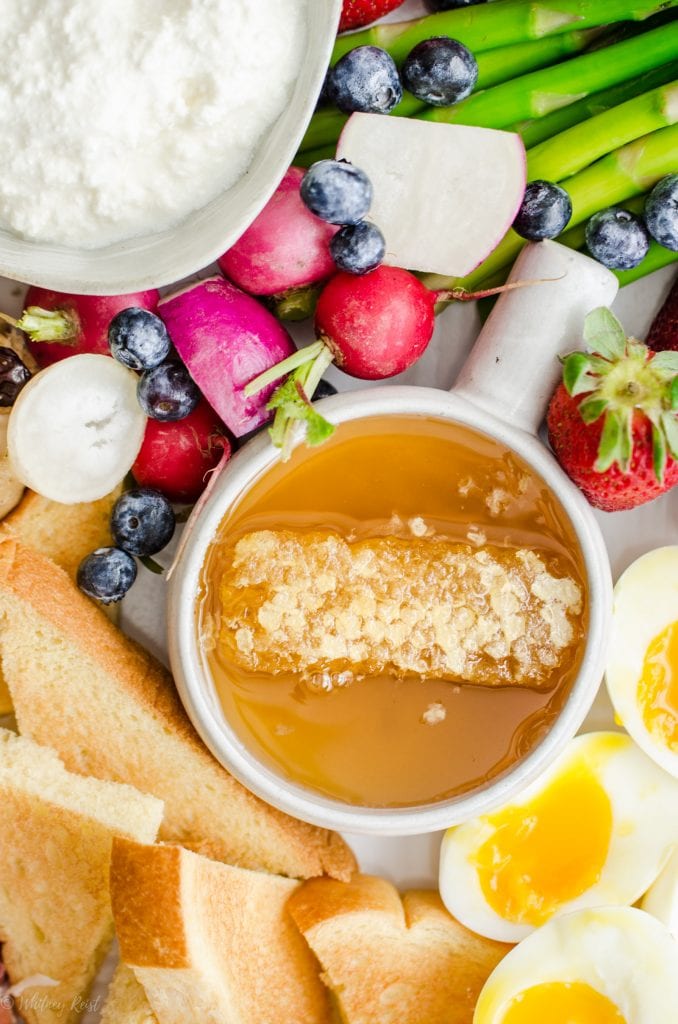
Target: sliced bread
(110,710)
(211,942)
(55,854)
(126,1001)
(390,960)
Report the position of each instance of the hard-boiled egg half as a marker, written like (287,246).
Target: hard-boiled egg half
(596,829)
(608,965)
(661,899)
(642,668)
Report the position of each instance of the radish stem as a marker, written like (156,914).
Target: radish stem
(297,359)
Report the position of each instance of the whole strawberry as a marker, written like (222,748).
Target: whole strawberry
(664,330)
(357,13)
(613,422)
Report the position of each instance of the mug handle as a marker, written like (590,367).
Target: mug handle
(513,368)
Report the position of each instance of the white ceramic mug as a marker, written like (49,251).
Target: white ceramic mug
(502,391)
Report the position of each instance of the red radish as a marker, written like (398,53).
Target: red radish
(79,321)
(226,338)
(287,247)
(378,324)
(177,458)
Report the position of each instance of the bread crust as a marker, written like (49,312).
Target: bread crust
(110,710)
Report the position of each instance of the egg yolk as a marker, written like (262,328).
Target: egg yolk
(658,688)
(561,1002)
(542,854)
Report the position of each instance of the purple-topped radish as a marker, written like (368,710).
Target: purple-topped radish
(226,338)
(285,249)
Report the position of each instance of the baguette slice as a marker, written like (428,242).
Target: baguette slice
(110,710)
(55,853)
(64,533)
(126,1001)
(393,961)
(211,942)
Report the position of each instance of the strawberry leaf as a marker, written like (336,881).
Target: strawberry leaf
(604,334)
(615,444)
(575,374)
(674,393)
(658,453)
(592,408)
(669,424)
(666,362)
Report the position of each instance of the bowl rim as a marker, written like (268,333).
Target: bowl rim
(163,258)
(197,690)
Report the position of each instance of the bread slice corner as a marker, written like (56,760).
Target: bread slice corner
(55,851)
(126,1001)
(209,941)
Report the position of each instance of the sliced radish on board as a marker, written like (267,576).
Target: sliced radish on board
(444,194)
(76,429)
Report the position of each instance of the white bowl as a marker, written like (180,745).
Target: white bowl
(153,260)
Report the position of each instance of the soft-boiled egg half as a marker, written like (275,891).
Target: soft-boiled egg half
(607,965)
(642,668)
(595,830)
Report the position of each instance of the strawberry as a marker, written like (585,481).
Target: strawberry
(357,13)
(664,330)
(613,421)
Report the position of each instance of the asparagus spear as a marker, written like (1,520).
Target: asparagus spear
(486,26)
(541,92)
(617,177)
(494,67)
(656,258)
(536,131)
(578,147)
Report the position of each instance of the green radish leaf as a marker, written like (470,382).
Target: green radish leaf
(669,424)
(611,448)
(575,375)
(666,362)
(318,429)
(604,334)
(592,408)
(658,453)
(291,403)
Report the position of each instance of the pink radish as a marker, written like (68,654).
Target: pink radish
(226,338)
(61,325)
(286,247)
(177,458)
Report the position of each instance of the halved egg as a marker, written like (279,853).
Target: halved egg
(642,668)
(661,899)
(608,965)
(596,829)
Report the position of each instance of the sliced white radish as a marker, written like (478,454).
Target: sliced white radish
(444,194)
(11,489)
(76,429)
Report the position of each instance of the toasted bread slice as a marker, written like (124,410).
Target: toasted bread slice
(393,961)
(111,711)
(126,1001)
(55,854)
(64,533)
(210,942)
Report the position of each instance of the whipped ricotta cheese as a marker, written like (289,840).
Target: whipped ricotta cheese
(120,117)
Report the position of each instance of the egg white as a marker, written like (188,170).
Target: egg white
(623,953)
(644,802)
(661,899)
(645,604)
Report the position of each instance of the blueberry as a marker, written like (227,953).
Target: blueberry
(440,71)
(13,375)
(450,5)
(138,339)
(544,212)
(661,212)
(324,390)
(107,574)
(366,79)
(358,248)
(167,392)
(617,239)
(337,192)
(142,521)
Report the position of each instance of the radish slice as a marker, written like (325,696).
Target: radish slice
(76,429)
(11,489)
(444,194)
